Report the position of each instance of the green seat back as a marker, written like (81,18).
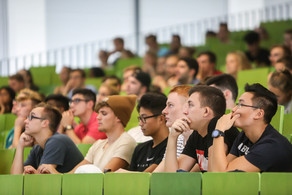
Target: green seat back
(56,79)
(259,75)
(133,122)
(85,184)
(4,81)
(276,183)
(124,63)
(278,119)
(109,71)
(126,183)
(3,137)
(176,183)
(287,127)
(45,184)
(6,161)
(42,76)
(26,152)
(231,183)
(84,148)
(47,89)
(7,121)
(11,184)
(96,82)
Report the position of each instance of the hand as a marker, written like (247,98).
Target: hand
(226,121)
(29,170)
(122,171)
(47,169)
(180,126)
(25,140)
(67,118)
(19,122)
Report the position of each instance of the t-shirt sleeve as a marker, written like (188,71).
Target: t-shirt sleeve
(94,132)
(190,147)
(125,149)
(54,153)
(31,158)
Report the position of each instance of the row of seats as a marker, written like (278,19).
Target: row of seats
(146,183)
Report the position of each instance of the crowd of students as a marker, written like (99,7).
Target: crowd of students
(187,130)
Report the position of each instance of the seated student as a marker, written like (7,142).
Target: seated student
(207,65)
(7,96)
(104,91)
(283,64)
(52,148)
(25,102)
(176,100)
(235,62)
(82,105)
(116,151)
(227,84)
(59,101)
(28,80)
(280,83)
(64,77)
(205,105)
(186,71)
(259,147)
(76,80)
(277,52)
(149,154)
(16,82)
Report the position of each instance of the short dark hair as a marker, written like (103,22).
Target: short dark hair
(155,102)
(62,101)
(82,73)
(192,64)
(87,93)
(264,99)
(143,77)
(153,37)
(281,80)
(223,82)
(211,97)
(252,37)
(52,114)
(17,77)
(119,39)
(211,56)
(113,77)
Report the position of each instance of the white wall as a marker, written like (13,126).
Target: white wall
(3,31)
(26,26)
(78,21)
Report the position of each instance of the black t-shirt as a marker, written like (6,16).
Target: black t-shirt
(197,146)
(59,150)
(144,155)
(261,59)
(272,152)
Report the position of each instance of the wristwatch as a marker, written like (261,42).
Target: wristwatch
(68,127)
(216,133)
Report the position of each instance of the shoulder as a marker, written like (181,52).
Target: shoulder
(58,138)
(144,145)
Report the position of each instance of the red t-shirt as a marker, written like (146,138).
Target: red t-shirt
(90,130)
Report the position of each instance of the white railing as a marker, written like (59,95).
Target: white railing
(192,33)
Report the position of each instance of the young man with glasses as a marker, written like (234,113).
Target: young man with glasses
(81,105)
(149,154)
(116,151)
(259,147)
(51,148)
(204,106)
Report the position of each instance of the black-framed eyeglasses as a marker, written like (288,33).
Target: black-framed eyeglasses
(143,118)
(30,117)
(239,105)
(76,101)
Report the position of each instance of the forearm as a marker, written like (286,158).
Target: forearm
(73,136)
(17,165)
(151,168)
(16,136)
(218,157)
(160,168)
(84,162)
(171,162)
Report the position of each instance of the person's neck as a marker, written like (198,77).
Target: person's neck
(255,131)
(203,128)
(42,137)
(115,133)
(161,135)
(230,104)
(84,118)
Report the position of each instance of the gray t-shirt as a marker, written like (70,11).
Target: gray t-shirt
(59,150)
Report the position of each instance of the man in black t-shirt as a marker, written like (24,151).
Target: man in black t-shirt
(205,105)
(51,148)
(259,147)
(148,155)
